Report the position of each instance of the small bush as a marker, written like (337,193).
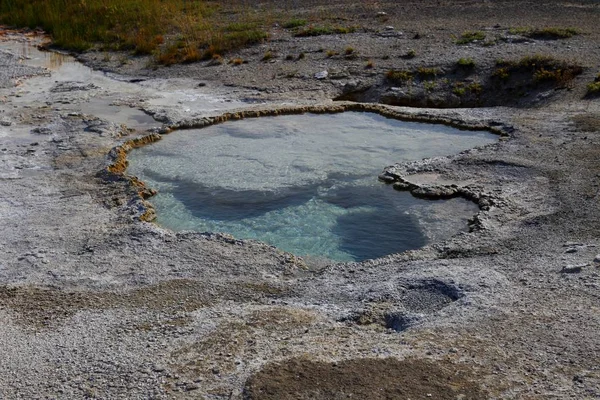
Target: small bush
(542,68)
(593,88)
(430,86)
(459,89)
(470,36)
(370,64)
(466,63)
(399,76)
(301,56)
(348,51)
(475,88)
(331,53)
(410,54)
(501,73)
(289,57)
(236,61)
(267,56)
(294,23)
(427,73)
(549,33)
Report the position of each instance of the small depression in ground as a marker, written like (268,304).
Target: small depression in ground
(305,183)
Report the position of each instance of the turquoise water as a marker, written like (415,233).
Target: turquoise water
(304,183)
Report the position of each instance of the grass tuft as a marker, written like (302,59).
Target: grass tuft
(295,23)
(427,73)
(548,33)
(466,63)
(470,36)
(399,76)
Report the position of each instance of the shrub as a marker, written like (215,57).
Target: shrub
(427,73)
(466,63)
(410,54)
(370,64)
(267,56)
(475,88)
(459,89)
(549,33)
(470,36)
(542,68)
(593,88)
(294,23)
(348,51)
(399,76)
(301,56)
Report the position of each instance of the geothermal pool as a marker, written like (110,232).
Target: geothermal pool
(306,184)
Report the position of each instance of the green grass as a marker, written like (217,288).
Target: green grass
(295,23)
(550,33)
(466,63)
(470,36)
(174,30)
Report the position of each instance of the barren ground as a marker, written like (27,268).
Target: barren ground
(95,303)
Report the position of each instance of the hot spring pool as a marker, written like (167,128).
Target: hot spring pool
(304,183)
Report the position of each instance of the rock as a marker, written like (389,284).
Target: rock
(5,122)
(41,131)
(381,14)
(191,386)
(573,269)
(597,259)
(321,75)
(389,28)
(571,250)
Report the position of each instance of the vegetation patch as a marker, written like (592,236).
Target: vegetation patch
(542,69)
(594,87)
(410,54)
(324,30)
(466,63)
(548,33)
(399,76)
(173,31)
(295,23)
(470,37)
(427,73)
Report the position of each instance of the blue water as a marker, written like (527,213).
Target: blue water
(304,183)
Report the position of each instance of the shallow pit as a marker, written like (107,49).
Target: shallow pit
(305,183)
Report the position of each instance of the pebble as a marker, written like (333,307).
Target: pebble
(597,258)
(321,75)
